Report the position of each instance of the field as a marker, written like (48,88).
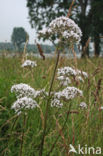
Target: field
(22,134)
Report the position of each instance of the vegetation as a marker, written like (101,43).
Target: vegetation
(19,36)
(88,15)
(30,48)
(53,106)
(83,126)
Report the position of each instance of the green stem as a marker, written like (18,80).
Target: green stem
(22,139)
(61,130)
(47,106)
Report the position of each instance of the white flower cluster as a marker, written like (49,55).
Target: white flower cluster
(64,81)
(66,94)
(64,28)
(84,74)
(29,63)
(65,73)
(56,103)
(71,72)
(25,97)
(23,90)
(83,105)
(24,103)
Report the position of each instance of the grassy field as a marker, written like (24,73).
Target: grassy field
(81,126)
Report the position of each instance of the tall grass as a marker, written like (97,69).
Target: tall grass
(83,127)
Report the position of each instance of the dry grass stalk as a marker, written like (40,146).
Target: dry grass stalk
(24,52)
(50,69)
(2,108)
(61,134)
(5,151)
(48,104)
(62,61)
(74,112)
(22,136)
(75,57)
(69,112)
(98,69)
(70,8)
(40,50)
(42,117)
(8,121)
(86,46)
(73,139)
(91,63)
(96,94)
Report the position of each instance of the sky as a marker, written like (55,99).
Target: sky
(14,13)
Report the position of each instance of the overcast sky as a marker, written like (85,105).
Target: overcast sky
(14,13)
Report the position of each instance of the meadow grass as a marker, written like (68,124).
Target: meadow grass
(84,126)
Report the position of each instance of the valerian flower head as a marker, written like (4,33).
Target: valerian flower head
(84,74)
(68,71)
(23,90)
(65,73)
(63,28)
(64,81)
(83,105)
(56,103)
(68,93)
(29,63)
(23,104)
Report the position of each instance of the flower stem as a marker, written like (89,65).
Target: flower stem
(47,106)
(22,139)
(68,113)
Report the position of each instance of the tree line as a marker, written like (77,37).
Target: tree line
(88,14)
(10,47)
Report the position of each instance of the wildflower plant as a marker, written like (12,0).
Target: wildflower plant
(23,104)
(64,29)
(66,94)
(65,74)
(41,117)
(83,105)
(67,33)
(26,101)
(23,90)
(71,72)
(29,63)
(64,81)
(26,96)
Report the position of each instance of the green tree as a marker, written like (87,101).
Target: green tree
(19,36)
(97,24)
(83,18)
(84,13)
(42,12)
